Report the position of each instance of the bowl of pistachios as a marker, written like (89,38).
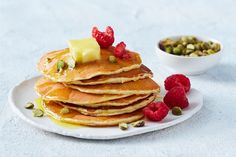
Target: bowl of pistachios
(189,55)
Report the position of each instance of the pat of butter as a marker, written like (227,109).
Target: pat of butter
(84,50)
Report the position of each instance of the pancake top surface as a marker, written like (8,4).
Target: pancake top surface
(85,70)
(50,90)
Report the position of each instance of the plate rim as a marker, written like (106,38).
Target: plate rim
(95,137)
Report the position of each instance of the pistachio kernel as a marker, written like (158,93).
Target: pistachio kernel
(123,126)
(188,51)
(184,43)
(184,39)
(191,39)
(193,55)
(29,105)
(168,49)
(60,65)
(168,42)
(210,51)
(184,52)
(177,50)
(198,52)
(190,46)
(204,46)
(210,42)
(177,111)
(38,113)
(112,59)
(64,110)
(216,47)
(139,123)
(181,47)
(204,52)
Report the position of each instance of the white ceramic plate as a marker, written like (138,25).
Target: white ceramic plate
(24,92)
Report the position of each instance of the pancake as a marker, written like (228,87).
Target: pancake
(52,109)
(132,75)
(143,86)
(120,102)
(111,111)
(86,70)
(50,90)
(117,102)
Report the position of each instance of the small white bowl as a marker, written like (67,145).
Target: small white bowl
(189,65)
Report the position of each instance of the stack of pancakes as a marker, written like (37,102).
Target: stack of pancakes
(98,93)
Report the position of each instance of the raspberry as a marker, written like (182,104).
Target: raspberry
(177,80)
(176,97)
(120,51)
(104,39)
(126,56)
(156,111)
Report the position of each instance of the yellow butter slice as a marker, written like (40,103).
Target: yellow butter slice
(84,50)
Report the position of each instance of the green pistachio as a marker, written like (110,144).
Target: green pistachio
(177,111)
(193,55)
(38,113)
(167,42)
(190,47)
(180,46)
(210,51)
(198,52)
(204,52)
(184,39)
(192,39)
(60,65)
(112,59)
(197,46)
(184,52)
(216,47)
(204,46)
(177,50)
(139,123)
(168,49)
(185,43)
(64,110)
(188,51)
(123,126)
(29,105)
(210,42)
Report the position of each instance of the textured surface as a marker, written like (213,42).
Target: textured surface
(30,28)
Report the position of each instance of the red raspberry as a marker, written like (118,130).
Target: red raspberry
(156,111)
(177,80)
(120,51)
(104,39)
(176,97)
(126,56)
